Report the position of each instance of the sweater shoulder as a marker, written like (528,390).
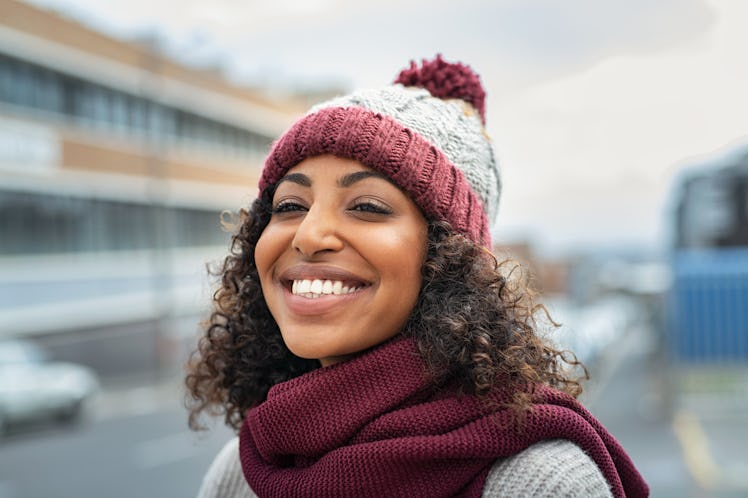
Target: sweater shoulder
(224,478)
(554,468)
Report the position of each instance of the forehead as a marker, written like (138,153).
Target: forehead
(327,164)
(331,169)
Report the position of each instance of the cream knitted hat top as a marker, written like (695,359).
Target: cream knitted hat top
(425,132)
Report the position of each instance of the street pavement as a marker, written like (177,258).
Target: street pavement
(685,444)
(134,443)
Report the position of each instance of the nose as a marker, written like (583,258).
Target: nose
(318,232)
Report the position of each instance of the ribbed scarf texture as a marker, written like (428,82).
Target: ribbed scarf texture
(372,427)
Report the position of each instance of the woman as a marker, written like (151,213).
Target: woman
(364,341)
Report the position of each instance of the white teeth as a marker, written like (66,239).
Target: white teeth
(316,288)
(302,286)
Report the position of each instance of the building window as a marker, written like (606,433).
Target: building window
(45,224)
(88,104)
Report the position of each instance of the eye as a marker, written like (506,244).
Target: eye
(287,206)
(371,206)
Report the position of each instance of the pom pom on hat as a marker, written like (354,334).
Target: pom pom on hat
(446,80)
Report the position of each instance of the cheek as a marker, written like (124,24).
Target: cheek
(415,268)
(267,250)
(417,246)
(407,279)
(261,257)
(405,260)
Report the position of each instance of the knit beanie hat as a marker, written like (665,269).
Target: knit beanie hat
(425,132)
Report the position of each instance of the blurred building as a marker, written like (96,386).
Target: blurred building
(712,204)
(115,164)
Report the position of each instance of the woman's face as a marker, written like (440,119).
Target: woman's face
(340,261)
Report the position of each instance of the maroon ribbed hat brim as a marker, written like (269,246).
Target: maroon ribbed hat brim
(422,170)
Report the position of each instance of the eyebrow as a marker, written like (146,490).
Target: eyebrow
(298,178)
(346,181)
(352,178)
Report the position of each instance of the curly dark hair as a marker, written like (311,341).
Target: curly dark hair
(475,320)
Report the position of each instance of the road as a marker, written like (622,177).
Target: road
(683,446)
(135,443)
(624,400)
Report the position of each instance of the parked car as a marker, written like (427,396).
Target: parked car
(32,387)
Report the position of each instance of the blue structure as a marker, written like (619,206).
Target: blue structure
(708,301)
(709,305)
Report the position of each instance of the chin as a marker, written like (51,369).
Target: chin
(303,348)
(326,356)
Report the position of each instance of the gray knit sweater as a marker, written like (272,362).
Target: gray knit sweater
(549,469)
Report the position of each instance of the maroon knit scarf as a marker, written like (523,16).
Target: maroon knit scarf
(369,427)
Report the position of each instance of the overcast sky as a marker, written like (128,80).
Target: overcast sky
(593,105)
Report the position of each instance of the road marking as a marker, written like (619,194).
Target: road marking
(165,450)
(696,452)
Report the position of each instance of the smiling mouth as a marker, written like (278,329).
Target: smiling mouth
(317,288)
